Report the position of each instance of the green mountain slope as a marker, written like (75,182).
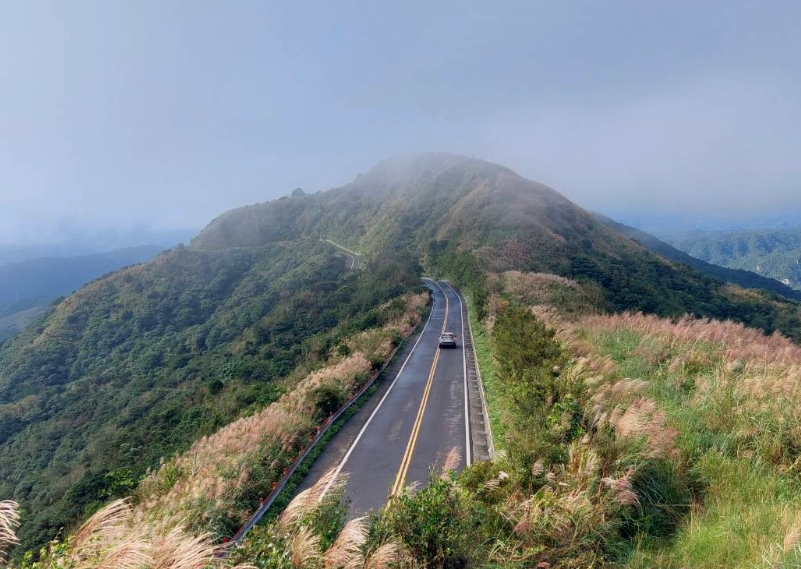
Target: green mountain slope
(739,276)
(774,253)
(140,363)
(27,287)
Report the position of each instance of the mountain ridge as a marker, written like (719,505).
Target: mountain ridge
(503,220)
(738,276)
(28,286)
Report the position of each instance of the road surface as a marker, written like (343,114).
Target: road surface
(412,423)
(352,261)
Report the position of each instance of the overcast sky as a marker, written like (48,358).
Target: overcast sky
(121,113)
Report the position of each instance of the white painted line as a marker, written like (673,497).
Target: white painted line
(468,453)
(369,419)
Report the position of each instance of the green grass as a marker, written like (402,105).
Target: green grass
(747,512)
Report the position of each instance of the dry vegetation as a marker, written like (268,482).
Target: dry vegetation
(182,510)
(9,521)
(113,538)
(212,482)
(724,401)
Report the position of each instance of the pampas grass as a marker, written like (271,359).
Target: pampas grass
(346,552)
(304,547)
(210,478)
(9,522)
(387,555)
(328,487)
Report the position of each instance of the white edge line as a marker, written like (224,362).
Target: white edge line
(468,453)
(369,419)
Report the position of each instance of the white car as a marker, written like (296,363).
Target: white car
(447,340)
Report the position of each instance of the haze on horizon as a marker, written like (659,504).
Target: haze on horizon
(167,114)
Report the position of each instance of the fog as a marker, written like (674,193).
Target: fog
(120,115)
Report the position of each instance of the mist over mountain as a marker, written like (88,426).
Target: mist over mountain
(75,241)
(666,225)
(56,276)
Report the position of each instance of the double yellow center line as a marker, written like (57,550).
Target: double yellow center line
(400,479)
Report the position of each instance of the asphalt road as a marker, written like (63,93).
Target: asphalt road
(412,422)
(352,261)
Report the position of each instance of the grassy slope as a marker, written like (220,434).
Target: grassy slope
(731,398)
(720,400)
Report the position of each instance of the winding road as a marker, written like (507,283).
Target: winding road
(414,421)
(352,257)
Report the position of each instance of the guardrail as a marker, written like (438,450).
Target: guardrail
(482,393)
(267,503)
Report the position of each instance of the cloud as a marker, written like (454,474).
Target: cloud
(118,114)
(725,144)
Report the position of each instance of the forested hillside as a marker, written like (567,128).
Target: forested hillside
(26,287)
(745,278)
(140,363)
(775,253)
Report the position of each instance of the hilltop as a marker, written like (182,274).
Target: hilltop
(504,222)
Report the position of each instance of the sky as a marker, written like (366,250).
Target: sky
(118,114)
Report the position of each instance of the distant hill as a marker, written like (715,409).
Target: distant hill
(28,286)
(56,276)
(91,241)
(774,253)
(740,277)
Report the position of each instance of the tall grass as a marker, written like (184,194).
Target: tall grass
(312,533)
(114,538)
(182,511)
(9,522)
(724,403)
